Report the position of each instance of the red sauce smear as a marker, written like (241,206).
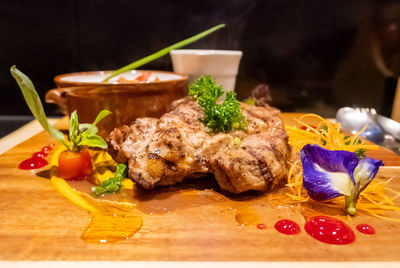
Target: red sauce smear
(287,227)
(37,160)
(261,226)
(365,229)
(329,230)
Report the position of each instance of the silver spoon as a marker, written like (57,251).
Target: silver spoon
(353,120)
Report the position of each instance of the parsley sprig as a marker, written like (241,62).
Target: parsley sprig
(218,117)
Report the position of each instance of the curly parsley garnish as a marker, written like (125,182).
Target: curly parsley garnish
(218,117)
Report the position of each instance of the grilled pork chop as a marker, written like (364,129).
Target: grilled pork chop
(165,151)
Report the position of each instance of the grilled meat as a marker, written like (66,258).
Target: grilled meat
(165,151)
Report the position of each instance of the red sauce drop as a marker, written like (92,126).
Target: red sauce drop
(287,227)
(39,155)
(261,226)
(37,160)
(33,163)
(45,149)
(329,230)
(365,229)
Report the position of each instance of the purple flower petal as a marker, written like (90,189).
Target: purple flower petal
(366,171)
(332,161)
(327,174)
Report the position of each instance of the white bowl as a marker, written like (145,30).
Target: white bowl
(223,65)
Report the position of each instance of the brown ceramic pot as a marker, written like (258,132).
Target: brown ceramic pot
(126,101)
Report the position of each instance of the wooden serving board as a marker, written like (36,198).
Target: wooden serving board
(38,223)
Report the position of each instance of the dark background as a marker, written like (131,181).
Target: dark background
(317,56)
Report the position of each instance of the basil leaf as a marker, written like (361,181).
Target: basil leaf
(92,127)
(73,127)
(35,105)
(92,140)
(100,116)
(88,128)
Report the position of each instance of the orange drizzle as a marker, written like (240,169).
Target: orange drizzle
(111,221)
(111,228)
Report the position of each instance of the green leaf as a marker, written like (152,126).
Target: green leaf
(360,152)
(92,140)
(100,116)
(163,52)
(113,184)
(73,128)
(35,105)
(89,128)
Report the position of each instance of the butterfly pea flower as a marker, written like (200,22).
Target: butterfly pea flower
(329,174)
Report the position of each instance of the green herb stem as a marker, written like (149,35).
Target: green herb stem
(163,52)
(113,184)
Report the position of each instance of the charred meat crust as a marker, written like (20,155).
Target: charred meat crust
(165,151)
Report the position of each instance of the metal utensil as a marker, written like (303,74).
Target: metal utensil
(354,120)
(389,126)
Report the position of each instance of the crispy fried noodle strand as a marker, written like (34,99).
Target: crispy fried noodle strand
(376,200)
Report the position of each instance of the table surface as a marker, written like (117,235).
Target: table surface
(38,223)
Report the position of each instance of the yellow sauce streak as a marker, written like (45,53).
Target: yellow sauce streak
(373,200)
(111,221)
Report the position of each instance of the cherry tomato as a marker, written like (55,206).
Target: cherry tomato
(75,165)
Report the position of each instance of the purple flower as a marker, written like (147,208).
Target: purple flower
(329,174)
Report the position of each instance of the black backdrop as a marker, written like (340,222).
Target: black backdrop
(315,55)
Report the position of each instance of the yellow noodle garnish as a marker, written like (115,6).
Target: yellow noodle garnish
(373,200)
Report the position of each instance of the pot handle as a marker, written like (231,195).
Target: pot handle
(57,96)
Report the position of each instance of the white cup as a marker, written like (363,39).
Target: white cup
(223,65)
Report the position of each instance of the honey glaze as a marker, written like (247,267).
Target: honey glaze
(249,216)
(111,228)
(111,221)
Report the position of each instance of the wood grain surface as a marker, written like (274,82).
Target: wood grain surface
(38,223)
